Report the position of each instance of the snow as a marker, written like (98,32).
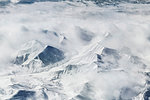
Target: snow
(118,34)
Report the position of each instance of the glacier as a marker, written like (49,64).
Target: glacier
(74,50)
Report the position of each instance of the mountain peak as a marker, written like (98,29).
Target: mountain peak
(36,52)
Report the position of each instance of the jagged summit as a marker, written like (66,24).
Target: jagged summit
(36,53)
(33,46)
(28,51)
(112,59)
(96,52)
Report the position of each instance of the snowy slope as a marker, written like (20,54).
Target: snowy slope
(34,55)
(74,51)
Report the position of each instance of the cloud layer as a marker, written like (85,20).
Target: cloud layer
(81,32)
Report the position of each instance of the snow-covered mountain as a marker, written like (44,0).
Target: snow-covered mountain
(74,50)
(35,54)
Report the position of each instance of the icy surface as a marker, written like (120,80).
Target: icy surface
(34,53)
(74,50)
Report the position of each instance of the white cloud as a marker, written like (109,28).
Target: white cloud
(127,29)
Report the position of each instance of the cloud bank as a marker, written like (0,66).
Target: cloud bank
(81,32)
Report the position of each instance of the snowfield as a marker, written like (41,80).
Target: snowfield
(74,51)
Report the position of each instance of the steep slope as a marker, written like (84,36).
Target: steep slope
(74,51)
(35,54)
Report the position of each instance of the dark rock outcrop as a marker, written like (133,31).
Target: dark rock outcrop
(23,95)
(147,95)
(50,55)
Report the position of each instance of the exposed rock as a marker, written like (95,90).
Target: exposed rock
(35,54)
(50,55)
(23,95)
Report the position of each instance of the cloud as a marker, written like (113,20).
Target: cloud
(80,31)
